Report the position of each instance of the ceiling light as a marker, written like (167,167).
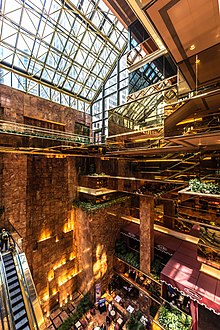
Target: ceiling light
(192,47)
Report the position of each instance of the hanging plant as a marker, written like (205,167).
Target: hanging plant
(88,207)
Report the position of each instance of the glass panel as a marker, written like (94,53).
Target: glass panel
(55,42)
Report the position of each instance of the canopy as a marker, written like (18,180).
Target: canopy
(183,273)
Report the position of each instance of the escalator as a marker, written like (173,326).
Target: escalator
(20,307)
(16,300)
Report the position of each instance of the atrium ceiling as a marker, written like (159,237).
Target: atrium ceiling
(191,32)
(67,46)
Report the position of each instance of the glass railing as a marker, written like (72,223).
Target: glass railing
(14,128)
(145,52)
(161,85)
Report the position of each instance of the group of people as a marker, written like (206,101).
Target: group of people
(4,240)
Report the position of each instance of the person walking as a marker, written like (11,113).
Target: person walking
(4,239)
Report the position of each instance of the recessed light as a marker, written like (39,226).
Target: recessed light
(192,47)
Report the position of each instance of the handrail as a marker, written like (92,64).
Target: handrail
(15,231)
(6,289)
(39,132)
(25,286)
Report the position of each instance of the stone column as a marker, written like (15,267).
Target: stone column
(146,232)
(169,213)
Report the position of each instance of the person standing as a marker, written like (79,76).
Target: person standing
(4,239)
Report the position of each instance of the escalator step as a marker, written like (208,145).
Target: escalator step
(16,300)
(18,307)
(7,257)
(12,279)
(13,286)
(20,314)
(26,327)
(21,324)
(9,268)
(8,263)
(12,273)
(14,293)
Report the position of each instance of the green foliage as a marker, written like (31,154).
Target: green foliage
(100,174)
(81,309)
(88,207)
(134,323)
(120,247)
(153,310)
(204,187)
(173,319)
(132,258)
(156,268)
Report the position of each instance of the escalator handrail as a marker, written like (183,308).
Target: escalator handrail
(7,293)
(25,285)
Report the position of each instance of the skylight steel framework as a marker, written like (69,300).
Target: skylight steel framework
(65,46)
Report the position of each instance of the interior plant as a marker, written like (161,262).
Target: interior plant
(196,185)
(134,323)
(83,306)
(89,207)
(156,268)
(171,318)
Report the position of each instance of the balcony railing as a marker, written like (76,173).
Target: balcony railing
(7,127)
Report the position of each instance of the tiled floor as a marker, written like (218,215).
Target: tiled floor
(59,315)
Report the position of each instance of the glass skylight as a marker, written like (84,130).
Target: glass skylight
(66,46)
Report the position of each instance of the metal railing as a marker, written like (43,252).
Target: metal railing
(35,315)
(8,127)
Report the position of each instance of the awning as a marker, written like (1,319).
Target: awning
(131,230)
(162,242)
(166,243)
(183,273)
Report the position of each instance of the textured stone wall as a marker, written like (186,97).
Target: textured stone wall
(13,192)
(51,249)
(36,193)
(17,104)
(96,234)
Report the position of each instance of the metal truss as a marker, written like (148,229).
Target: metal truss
(62,45)
(146,106)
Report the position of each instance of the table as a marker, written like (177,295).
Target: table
(78,325)
(130,309)
(118,298)
(144,320)
(112,313)
(119,321)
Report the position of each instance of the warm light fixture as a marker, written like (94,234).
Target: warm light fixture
(210,270)
(192,47)
(188,121)
(197,61)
